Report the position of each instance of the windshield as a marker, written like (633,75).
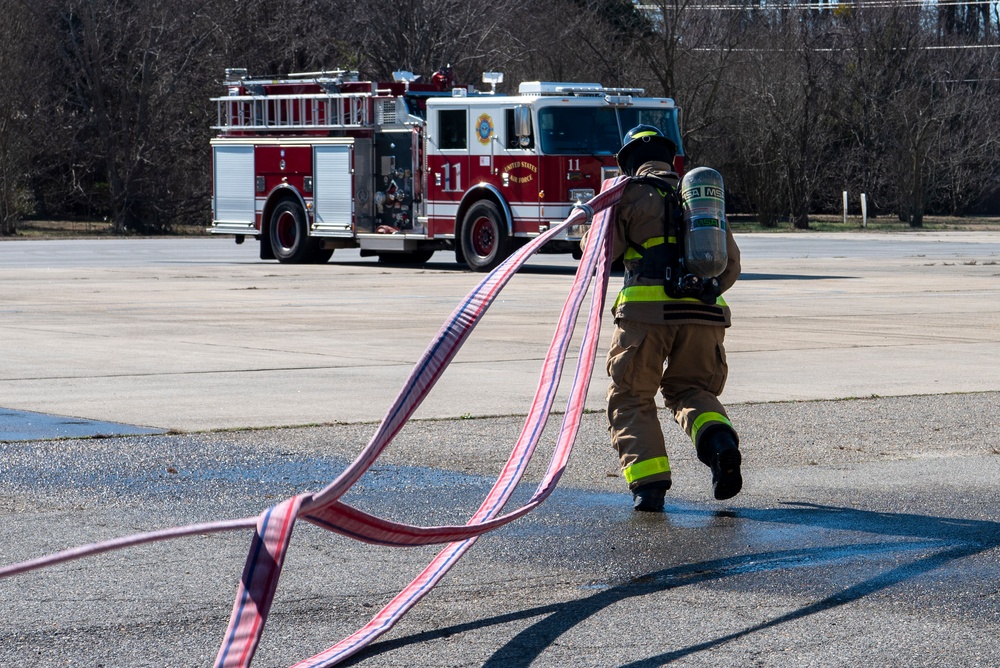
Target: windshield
(598,130)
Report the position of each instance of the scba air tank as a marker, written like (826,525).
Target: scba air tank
(704,202)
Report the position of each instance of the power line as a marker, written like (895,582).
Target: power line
(814,6)
(839,49)
(945,47)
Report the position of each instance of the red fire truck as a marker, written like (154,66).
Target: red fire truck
(312,162)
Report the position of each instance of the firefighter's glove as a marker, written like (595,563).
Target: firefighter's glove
(710,290)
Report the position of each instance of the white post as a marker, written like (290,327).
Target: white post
(845,207)
(864,210)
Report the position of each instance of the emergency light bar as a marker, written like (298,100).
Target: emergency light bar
(322,75)
(552,88)
(618,100)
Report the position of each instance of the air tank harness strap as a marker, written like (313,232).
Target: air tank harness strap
(659,258)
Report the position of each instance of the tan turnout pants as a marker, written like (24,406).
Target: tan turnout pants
(691,381)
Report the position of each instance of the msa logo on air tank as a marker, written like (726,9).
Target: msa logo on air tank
(703,191)
(705,222)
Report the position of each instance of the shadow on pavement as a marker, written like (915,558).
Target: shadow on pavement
(792,277)
(953,539)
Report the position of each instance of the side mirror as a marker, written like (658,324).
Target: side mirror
(522,122)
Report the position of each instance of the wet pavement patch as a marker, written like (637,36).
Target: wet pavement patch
(28,426)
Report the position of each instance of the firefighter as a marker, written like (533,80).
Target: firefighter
(665,340)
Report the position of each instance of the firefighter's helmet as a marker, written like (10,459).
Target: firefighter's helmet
(643,143)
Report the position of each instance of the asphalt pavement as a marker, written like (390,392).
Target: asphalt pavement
(863,382)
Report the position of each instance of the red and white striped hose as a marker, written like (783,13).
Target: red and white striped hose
(273,528)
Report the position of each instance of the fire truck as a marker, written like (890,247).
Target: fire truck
(311,162)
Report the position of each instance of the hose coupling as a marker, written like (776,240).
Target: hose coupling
(587,210)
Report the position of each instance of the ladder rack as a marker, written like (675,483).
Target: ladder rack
(321,111)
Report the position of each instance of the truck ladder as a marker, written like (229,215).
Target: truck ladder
(322,111)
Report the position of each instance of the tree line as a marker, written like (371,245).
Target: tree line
(106,108)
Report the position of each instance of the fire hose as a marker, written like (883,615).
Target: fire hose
(273,527)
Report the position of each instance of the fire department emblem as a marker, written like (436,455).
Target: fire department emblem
(484,129)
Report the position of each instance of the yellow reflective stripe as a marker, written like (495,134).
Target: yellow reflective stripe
(704,418)
(643,293)
(632,254)
(618,300)
(656,293)
(645,133)
(646,468)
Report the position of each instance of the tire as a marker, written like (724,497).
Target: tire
(411,257)
(321,255)
(484,239)
(289,234)
(266,252)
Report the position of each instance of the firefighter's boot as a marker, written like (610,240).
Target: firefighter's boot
(649,497)
(718,449)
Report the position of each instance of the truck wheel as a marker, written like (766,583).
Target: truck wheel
(289,234)
(484,239)
(321,255)
(266,251)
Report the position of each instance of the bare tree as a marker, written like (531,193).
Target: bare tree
(125,70)
(960,18)
(913,120)
(870,70)
(967,156)
(806,116)
(424,35)
(16,115)
(780,128)
(274,37)
(794,102)
(753,166)
(914,114)
(689,52)
(582,40)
